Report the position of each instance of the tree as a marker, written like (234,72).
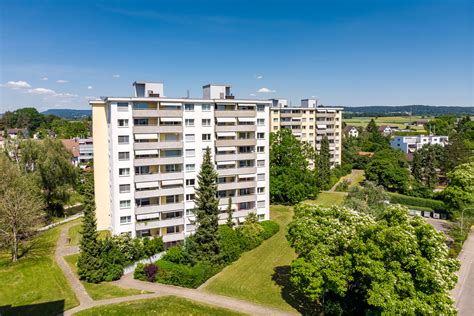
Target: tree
(372,127)
(417,166)
(292,180)
(21,207)
(352,263)
(459,193)
(324,164)
(456,152)
(203,245)
(369,198)
(230,221)
(388,168)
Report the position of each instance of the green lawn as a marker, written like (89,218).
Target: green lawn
(261,275)
(35,278)
(168,305)
(74,234)
(400,121)
(328,198)
(102,290)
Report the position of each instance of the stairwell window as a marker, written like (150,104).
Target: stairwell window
(206,107)
(124,188)
(123,123)
(189,122)
(260,163)
(124,172)
(260,121)
(124,155)
(206,137)
(123,139)
(189,107)
(260,135)
(189,137)
(206,122)
(125,204)
(190,168)
(261,177)
(190,152)
(125,220)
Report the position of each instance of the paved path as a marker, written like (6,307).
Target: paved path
(352,177)
(158,290)
(463,293)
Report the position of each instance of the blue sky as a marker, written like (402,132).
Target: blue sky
(56,54)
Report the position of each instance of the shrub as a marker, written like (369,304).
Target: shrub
(229,244)
(152,246)
(113,272)
(184,275)
(150,271)
(436,205)
(270,228)
(250,235)
(176,254)
(342,186)
(139,272)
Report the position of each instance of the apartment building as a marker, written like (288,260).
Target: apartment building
(309,123)
(410,144)
(148,150)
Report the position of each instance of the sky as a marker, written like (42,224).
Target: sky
(60,54)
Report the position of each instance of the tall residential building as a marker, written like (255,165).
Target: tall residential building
(309,123)
(148,151)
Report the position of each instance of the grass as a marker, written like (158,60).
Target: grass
(35,282)
(104,290)
(74,234)
(328,198)
(261,275)
(400,121)
(168,305)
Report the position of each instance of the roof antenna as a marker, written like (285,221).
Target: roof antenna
(187,93)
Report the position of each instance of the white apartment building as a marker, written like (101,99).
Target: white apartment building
(148,151)
(410,144)
(310,123)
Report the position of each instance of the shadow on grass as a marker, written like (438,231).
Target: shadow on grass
(281,276)
(48,308)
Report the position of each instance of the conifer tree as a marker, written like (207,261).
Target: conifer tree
(229,222)
(203,246)
(417,166)
(324,164)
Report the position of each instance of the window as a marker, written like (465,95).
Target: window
(260,121)
(123,139)
(125,219)
(190,212)
(140,121)
(125,204)
(206,122)
(261,177)
(275,119)
(124,188)
(190,167)
(260,204)
(189,122)
(123,123)
(260,107)
(190,182)
(124,172)
(206,137)
(260,149)
(190,153)
(260,135)
(189,137)
(275,128)
(124,155)
(206,107)
(122,107)
(189,107)
(189,197)
(260,190)
(260,163)
(172,229)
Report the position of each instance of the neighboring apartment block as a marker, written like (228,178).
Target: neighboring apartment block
(309,123)
(148,151)
(410,144)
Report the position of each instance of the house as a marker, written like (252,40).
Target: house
(387,130)
(410,144)
(72,145)
(15,133)
(422,122)
(351,131)
(86,150)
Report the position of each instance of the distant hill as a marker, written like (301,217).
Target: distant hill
(68,113)
(407,110)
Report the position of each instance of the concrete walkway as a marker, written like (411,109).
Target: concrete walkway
(158,290)
(463,293)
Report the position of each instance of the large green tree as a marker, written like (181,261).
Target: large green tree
(389,169)
(459,194)
(203,245)
(352,263)
(368,198)
(324,165)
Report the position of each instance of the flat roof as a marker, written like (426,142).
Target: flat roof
(181,100)
(217,84)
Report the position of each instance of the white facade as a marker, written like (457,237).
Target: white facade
(410,144)
(155,152)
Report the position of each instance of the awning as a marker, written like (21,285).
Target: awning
(321,126)
(171,119)
(226,134)
(146,136)
(223,163)
(331,111)
(145,185)
(247,119)
(245,104)
(171,182)
(225,119)
(148,216)
(146,152)
(170,104)
(244,176)
(225,148)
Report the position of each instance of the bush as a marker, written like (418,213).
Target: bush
(184,275)
(343,186)
(436,205)
(270,228)
(139,272)
(176,254)
(229,244)
(152,246)
(249,235)
(113,272)
(150,271)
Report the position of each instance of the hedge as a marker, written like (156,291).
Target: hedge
(436,205)
(270,228)
(184,275)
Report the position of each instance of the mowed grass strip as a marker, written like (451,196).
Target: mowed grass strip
(168,305)
(36,278)
(328,199)
(260,275)
(75,234)
(104,290)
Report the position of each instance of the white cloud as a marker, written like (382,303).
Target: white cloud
(265,90)
(16,85)
(90,97)
(65,95)
(62,81)
(42,91)
(44,78)
(115,76)
(89,87)
(259,77)
(252,94)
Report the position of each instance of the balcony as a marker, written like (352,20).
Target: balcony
(236,142)
(147,129)
(159,223)
(236,128)
(157,161)
(173,237)
(238,199)
(232,157)
(158,192)
(236,171)
(158,176)
(290,114)
(170,113)
(236,185)
(235,113)
(145,113)
(140,210)
(176,144)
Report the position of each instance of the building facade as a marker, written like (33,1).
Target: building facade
(410,144)
(148,151)
(310,123)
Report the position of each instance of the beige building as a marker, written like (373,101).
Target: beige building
(309,123)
